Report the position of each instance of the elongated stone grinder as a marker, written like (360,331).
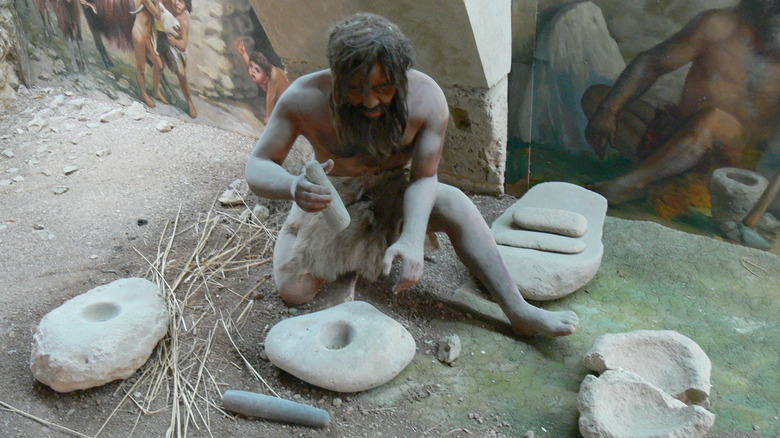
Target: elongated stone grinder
(336,215)
(257,405)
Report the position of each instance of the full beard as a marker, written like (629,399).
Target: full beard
(379,137)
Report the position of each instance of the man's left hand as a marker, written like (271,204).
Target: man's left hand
(412,256)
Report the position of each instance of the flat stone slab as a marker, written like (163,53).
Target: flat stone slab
(541,241)
(622,404)
(551,220)
(545,275)
(100,336)
(348,348)
(665,358)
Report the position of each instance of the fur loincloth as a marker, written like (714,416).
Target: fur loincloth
(375,205)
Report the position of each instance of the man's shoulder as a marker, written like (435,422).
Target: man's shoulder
(421,81)
(315,81)
(426,98)
(717,24)
(306,91)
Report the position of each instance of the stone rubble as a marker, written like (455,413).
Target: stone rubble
(665,358)
(621,404)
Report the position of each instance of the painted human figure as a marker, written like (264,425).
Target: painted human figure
(173,53)
(270,78)
(378,127)
(730,100)
(150,15)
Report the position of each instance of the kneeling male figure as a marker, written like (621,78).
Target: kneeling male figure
(378,126)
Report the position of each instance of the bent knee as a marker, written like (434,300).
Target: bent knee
(719,121)
(298,291)
(452,209)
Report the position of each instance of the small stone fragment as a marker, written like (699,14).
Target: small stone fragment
(112,115)
(8,153)
(135,111)
(68,170)
(77,103)
(231,198)
(164,126)
(60,190)
(57,101)
(103,153)
(260,213)
(449,349)
(36,124)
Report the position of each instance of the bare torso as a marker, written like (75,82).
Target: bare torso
(732,75)
(315,124)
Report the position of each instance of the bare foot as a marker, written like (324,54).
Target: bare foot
(160,97)
(535,321)
(193,111)
(616,192)
(147,100)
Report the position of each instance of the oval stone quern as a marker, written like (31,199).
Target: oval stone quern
(99,336)
(348,348)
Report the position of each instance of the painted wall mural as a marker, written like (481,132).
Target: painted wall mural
(208,61)
(668,108)
(682,132)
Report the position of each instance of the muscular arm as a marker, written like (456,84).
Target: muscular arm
(264,172)
(421,194)
(644,70)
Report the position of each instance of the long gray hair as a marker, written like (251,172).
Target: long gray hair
(355,45)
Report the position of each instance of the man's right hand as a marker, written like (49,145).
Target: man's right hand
(600,132)
(311,197)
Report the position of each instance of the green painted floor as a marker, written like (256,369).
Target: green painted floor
(724,297)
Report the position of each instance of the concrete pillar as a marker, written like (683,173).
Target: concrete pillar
(465,45)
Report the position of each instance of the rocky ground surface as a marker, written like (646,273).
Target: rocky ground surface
(90,191)
(93,190)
